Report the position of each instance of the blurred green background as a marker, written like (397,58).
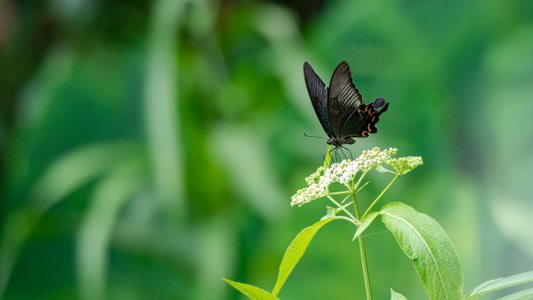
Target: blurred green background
(150,148)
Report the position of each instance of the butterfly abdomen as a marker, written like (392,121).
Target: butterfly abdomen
(337,142)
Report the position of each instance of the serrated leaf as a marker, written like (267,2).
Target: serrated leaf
(396,296)
(424,241)
(498,284)
(365,223)
(521,295)
(251,291)
(296,250)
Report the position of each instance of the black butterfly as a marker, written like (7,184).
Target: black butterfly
(340,107)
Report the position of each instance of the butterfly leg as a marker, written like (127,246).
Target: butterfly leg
(342,151)
(337,155)
(347,149)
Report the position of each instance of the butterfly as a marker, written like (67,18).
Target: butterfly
(340,108)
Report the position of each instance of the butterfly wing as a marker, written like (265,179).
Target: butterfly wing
(362,122)
(343,99)
(319,97)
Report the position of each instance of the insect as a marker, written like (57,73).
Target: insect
(340,108)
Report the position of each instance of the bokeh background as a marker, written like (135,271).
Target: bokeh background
(150,148)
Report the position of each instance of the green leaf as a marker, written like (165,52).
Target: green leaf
(327,161)
(424,241)
(296,250)
(522,295)
(97,228)
(498,284)
(251,291)
(396,296)
(64,176)
(365,223)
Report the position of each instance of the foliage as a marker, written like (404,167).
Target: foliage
(181,124)
(420,237)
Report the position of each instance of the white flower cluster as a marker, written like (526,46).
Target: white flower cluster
(342,172)
(404,165)
(371,158)
(345,172)
(313,191)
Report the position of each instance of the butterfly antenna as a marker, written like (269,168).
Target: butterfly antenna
(317,137)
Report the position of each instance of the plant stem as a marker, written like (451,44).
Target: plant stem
(365,267)
(339,193)
(355,186)
(363,254)
(380,195)
(354,219)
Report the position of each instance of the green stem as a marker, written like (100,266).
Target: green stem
(354,188)
(362,251)
(365,267)
(339,193)
(345,218)
(380,195)
(354,219)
